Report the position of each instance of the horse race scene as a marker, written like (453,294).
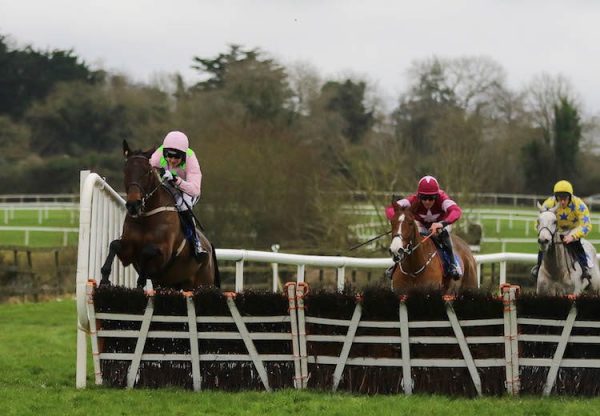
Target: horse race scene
(257,207)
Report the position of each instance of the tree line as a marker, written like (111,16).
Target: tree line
(278,143)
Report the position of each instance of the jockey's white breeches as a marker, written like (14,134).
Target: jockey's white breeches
(181,199)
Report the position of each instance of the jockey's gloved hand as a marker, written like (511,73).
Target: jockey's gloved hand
(169,176)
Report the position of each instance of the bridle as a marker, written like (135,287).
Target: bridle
(146,196)
(552,233)
(410,249)
(554,242)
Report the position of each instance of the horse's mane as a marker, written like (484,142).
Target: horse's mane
(413,208)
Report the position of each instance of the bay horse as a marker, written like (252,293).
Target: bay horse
(560,273)
(419,262)
(153,239)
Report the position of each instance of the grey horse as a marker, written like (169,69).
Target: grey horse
(560,273)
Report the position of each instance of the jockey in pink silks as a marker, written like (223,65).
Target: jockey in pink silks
(182,172)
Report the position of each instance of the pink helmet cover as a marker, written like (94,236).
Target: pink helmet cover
(176,140)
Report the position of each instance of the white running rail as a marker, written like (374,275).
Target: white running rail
(102,212)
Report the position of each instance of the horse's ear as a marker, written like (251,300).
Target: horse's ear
(553,209)
(150,152)
(126,149)
(396,198)
(540,206)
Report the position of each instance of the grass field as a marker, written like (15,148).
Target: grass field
(30,218)
(37,376)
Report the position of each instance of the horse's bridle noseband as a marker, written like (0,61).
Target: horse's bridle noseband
(410,248)
(145,196)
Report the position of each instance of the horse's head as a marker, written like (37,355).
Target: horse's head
(140,180)
(546,226)
(404,232)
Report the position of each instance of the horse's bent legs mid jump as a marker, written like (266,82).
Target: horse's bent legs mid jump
(116,249)
(113,249)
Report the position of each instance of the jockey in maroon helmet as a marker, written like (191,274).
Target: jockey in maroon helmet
(434,212)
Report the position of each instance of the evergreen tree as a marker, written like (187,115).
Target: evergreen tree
(27,75)
(260,85)
(348,100)
(567,135)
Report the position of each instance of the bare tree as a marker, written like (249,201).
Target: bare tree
(473,82)
(306,83)
(542,94)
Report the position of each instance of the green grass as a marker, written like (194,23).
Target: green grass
(30,218)
(37,377)
(56,218)
(63,219)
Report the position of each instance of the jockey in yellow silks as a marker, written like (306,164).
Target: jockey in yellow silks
(572,220)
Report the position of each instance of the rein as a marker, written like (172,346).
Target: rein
(147,196)
(416,273)
(557,244)
(566,255)
(411,249)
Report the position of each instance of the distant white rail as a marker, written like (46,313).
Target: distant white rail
(39,198)
(27,230)
(43,210)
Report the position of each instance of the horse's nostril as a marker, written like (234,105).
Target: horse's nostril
(132,206)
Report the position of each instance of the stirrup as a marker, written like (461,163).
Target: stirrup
(585,274)
(199,253)
(454,272)
(534,271)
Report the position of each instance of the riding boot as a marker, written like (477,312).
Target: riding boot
(535,269)
(581,259)
(191,234)
(454,270)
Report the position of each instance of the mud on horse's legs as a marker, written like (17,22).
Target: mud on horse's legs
(113,249)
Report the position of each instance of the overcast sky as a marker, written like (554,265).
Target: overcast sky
(374,39)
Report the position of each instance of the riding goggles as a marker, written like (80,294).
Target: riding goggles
(424,197)
(173,153)
(562,195)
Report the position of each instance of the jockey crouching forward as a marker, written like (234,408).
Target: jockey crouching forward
(182,171)
(572,220)
(434,212)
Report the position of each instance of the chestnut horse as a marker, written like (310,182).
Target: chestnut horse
(419,263)
(153,239)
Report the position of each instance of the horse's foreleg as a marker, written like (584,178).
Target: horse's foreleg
(113,249)
(149,253)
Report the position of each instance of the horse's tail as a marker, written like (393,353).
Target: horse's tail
(216,265)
